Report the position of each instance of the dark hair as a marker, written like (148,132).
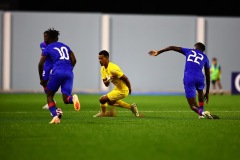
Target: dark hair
(45,32)
(214,59)
(200,46)
(53,34)
(104,53)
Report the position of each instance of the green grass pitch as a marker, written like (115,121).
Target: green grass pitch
(169,130)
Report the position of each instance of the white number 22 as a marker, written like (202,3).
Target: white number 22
(194,57)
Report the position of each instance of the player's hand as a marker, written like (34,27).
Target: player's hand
(153,53)
(113,77)
(206,98)
(108,79)
(43,83)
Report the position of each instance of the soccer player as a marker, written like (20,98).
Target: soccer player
(111,72)
(216,75)
(194,79)
(47,65)
(61,75)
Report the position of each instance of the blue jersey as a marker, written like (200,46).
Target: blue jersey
(59,54)
(193,74)
(48,63)
(62,71)
(195,61)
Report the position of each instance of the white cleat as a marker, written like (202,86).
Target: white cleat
(76,102)
(55,120)
(207,114)
(134,109)
(99,114)
(45,106)
(201,117)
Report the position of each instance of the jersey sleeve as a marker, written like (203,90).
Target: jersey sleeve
(45,52)
(117,71)
(185,50)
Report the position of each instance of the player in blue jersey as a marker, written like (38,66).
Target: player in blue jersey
(194,79)
(48,63)
(61,75)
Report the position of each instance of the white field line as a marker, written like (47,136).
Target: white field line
(118,111)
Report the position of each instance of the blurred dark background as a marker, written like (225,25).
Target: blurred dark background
(184,7)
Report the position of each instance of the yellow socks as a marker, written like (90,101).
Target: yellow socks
(122,104)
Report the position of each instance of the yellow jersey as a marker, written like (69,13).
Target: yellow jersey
(114,69)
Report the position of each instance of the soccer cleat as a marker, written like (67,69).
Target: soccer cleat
(201,117)
(76,102)
(55,120)
(99,114)
(45,106)
(59,113)
(207,114)
(215,117)
(134,109)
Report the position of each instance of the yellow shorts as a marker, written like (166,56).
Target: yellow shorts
(116,94)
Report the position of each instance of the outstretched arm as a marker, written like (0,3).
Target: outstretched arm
(170,48)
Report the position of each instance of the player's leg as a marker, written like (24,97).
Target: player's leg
(103,106)
(219,86)
(190,84)
(52,87)
(105,101)
(116,96)
(66,89)
(214,87)
(46,105)
(200,84)
(52,108)
(46,75)
(201,102)
(193,104)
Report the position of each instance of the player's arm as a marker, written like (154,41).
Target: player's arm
(125,79)
(73,58)
(40,69)
(207,75)
(169,48)
(220,72)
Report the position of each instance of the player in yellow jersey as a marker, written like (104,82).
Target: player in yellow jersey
(111,72)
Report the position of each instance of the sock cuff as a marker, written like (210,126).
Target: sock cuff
(51,104)
(201,103)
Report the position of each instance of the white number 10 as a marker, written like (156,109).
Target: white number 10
(63,53)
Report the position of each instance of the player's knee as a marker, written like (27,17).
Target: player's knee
(103,99)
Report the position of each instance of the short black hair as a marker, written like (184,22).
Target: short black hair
(200,46)
(214,59)
(53,34)
(104,53)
